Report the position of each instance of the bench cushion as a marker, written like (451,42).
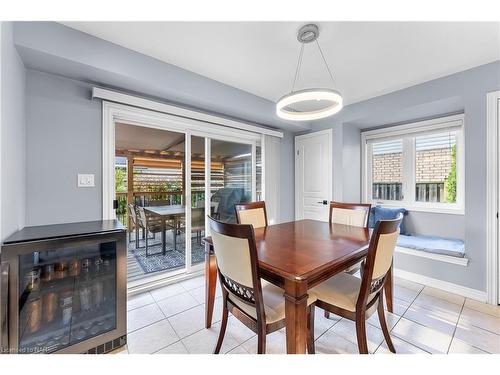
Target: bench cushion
(431,244)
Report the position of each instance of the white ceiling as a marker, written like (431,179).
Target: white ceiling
(367,58)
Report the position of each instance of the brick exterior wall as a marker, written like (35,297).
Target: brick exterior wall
(432,166)
(387,168)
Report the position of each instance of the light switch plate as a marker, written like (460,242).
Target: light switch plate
(86,180)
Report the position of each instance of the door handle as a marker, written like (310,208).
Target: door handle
(325,202)
(4,308)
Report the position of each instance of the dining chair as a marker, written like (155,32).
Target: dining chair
(258,304)
(355,214)
(251,213)
(150,225)
(353,298)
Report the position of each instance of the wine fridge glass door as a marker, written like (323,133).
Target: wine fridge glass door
(66,296)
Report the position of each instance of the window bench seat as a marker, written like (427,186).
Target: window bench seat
(444,249)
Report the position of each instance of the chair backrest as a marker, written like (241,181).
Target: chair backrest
(197,214)
(142,215)
(132,213)
(237,262)
(251,213)
(355,214)
(379,258)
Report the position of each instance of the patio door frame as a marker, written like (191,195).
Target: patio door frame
(493,198)
(116,112)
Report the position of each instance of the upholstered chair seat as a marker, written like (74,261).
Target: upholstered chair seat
(341,290)
(274,303)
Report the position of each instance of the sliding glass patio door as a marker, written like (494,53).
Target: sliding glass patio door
(151,192)
(232,177)
(166,177)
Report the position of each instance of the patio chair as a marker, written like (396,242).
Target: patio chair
(135,225)
(150,225)
(198,222)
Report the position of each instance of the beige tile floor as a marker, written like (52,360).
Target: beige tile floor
(426,320)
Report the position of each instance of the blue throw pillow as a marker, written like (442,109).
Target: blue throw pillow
(384,213)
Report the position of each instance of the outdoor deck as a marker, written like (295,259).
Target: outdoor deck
(138,265)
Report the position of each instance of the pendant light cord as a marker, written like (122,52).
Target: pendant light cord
(299,64)
(326,64)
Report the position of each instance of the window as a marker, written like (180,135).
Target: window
(387,170)
(417,166)
(435,167)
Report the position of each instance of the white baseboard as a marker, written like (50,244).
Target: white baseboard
(440,284)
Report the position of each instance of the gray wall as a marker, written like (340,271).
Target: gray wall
(64,138)
(12,130)
(462,92)
(63,127)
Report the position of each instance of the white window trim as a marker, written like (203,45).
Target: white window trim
(400,131)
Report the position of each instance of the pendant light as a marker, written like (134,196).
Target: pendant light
(312,103)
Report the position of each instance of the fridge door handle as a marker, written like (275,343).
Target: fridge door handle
(4,308)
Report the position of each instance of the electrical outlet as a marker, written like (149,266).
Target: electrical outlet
(86,180)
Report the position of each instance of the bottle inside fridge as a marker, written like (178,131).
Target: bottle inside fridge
(66,296)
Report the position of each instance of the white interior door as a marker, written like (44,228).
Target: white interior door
(313,175)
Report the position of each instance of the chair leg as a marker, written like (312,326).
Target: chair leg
(388,287)
(383,323)
(223,325)
(261,342)
(136,238)
(361,334)
(146,244)
(310,330)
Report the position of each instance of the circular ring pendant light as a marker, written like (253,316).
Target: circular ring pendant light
(313,103)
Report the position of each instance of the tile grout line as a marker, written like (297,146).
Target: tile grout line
(189,292)
(455,329)
(329,328)
(399,319)
(422,325)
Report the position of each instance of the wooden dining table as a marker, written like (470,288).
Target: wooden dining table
(297,256)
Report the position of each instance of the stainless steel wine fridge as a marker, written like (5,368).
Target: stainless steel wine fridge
(63,289)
